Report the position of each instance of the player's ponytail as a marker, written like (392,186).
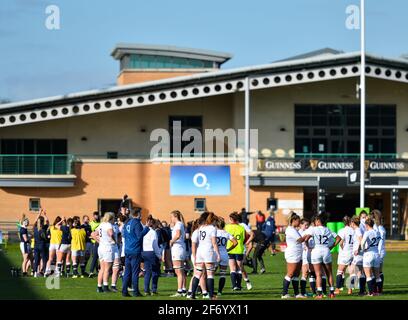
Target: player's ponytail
(177,214)
(293,217)
(211,218)
(347,221)
(377,217)
(235,217)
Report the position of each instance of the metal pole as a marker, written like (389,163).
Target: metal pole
(363,104)
(247,102)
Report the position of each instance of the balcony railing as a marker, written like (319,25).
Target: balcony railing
(345,155)
(38,164)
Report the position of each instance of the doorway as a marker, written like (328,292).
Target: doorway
(111,205)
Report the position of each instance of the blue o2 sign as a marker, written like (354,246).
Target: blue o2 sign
(200,180)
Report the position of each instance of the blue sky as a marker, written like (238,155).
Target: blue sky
(36,62)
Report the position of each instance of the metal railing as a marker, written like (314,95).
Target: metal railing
(36,164)
(346,155)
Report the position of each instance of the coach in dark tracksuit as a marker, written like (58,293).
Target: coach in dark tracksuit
(133,233)
(269,229)
(261,245)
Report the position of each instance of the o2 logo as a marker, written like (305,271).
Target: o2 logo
(200,180)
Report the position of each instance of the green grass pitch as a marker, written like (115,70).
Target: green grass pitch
(265,287)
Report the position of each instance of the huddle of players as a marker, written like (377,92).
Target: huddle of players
(362,252)
(216,245)
(59,244)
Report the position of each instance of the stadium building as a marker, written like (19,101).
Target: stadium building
(78,153)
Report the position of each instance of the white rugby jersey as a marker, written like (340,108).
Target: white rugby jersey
(347,235)
(222,239)
(246,227)
(104,238)
(204,237)
(116,232)
(323,237)
(179,226)
(292,235)
(381,245)
(356,240)
(371,239)
(310,241)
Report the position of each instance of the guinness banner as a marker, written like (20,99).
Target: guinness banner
(331,165)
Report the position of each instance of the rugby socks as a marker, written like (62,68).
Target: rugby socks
(68,268)
(362,281)
(59,267)
(194,286)
(221,282)
(106,287)
(82,268)
(239,279)
(339,280)
(319,291)
(380,284)
(295,285)
(234,279)
(303,283)
(324,284)
(312,282)
(370,285)
(75,269)
(210,286)
(286,284)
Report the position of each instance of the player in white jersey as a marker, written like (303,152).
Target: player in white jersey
(363,216)
(293,256)
(321,255)
(249,236)
(205,253)
(105,236)
(371,261)
(377,216)
(345,257)
(307,267)
(116,256)
(178,251)
(222,239)
(357,263)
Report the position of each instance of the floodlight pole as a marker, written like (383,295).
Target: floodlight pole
(247,102)
(363,104)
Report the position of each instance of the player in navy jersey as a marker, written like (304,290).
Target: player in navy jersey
(25,245)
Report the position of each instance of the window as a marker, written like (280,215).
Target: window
(186,122)
(336,129)
(143,61)
(33,146)
(34,204)
(111,155)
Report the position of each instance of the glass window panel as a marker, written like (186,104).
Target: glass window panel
(353,121)
(353,146)
(371,132)
(388,146)
(319,132)
(302,132)
(304,110)
(388,121)
(335,121)
(353,132)
(373,121)
(302,121)
(302,145)
(319,121)
(388,132)
(336,132)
